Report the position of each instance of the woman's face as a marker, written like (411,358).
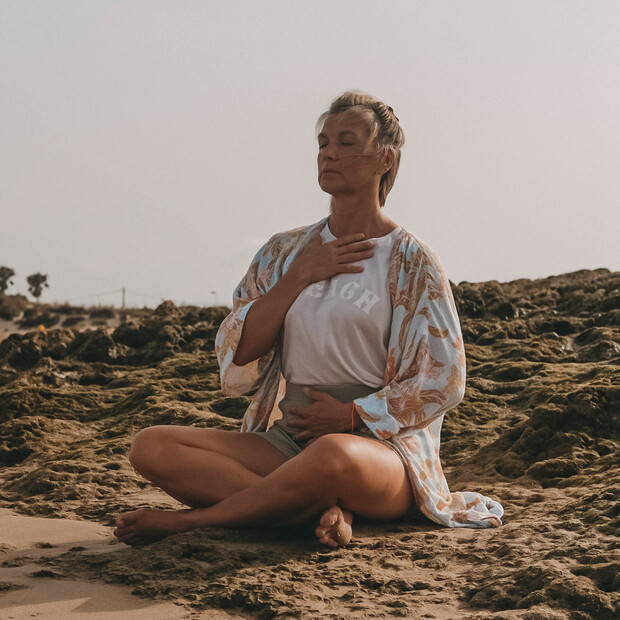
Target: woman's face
(348,163)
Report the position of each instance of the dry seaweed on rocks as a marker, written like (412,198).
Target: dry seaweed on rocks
(538,429)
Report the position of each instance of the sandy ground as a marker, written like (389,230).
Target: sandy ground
(538,429)
(29,591)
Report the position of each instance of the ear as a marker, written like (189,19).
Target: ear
(388,161)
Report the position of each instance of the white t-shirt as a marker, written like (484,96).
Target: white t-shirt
(337,330)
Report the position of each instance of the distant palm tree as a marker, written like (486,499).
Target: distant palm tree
(6,273)
(36,283)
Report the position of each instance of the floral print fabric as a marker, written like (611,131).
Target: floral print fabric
(424,376)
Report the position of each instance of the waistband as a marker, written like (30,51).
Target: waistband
(344,392)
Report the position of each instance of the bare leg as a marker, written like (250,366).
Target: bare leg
(200,467)
(358,474)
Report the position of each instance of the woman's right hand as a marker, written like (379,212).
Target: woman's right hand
(320,261)
(317,261)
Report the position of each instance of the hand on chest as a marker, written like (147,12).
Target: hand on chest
(357,300)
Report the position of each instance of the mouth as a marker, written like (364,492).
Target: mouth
(328,170)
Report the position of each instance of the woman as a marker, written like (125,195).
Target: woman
(354,317)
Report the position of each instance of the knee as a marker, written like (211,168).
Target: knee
(147,450)
(333,458)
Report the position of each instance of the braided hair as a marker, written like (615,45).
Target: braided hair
(385,130)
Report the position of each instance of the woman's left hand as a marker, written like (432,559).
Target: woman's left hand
(325,415)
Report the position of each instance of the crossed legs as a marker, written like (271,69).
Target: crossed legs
(236,479)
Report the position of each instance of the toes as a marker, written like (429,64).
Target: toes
(124,530)
(122,520)
(330,516)
(333,527)
(131,539)
(126,534)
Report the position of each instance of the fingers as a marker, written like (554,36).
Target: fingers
(358,246)
(319,261)
(297,426)
(355,252)
(349,269)
(300,412)
(297,419)
(348,239)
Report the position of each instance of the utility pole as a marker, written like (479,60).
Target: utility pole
(123,302)
(214,293)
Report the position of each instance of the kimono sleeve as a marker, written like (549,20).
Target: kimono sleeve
(237,380)
(425,374)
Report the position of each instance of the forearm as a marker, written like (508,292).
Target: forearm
(266,317)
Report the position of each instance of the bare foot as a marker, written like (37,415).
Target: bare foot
(335,527)
(146,525)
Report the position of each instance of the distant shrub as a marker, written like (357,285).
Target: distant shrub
(6,273)
(70,321)
(69,310)
(102,313)
(33,319)
(12,306)
(36,283)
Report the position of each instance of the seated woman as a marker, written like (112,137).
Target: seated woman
(355,318)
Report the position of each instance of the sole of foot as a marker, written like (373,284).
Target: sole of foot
(334,527)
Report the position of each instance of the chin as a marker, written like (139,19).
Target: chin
(328,188)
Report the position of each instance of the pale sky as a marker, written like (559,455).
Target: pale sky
(156,145)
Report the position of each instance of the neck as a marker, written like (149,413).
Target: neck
(349,216)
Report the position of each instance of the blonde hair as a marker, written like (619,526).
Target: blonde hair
(385,131)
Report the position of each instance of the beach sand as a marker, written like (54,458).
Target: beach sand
(28,590)
(538,429)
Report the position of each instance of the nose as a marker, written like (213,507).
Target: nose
(327,152)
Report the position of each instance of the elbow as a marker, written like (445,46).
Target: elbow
(230,387)
(244,358)
(242,355)
(239,360)
(229,390)
(236,380)
(458,396)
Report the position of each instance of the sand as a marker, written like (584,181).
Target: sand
(538,429)
(29,591)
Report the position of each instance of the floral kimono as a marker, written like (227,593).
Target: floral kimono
(424,376)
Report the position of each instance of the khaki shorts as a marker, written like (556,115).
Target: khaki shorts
(281,436)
